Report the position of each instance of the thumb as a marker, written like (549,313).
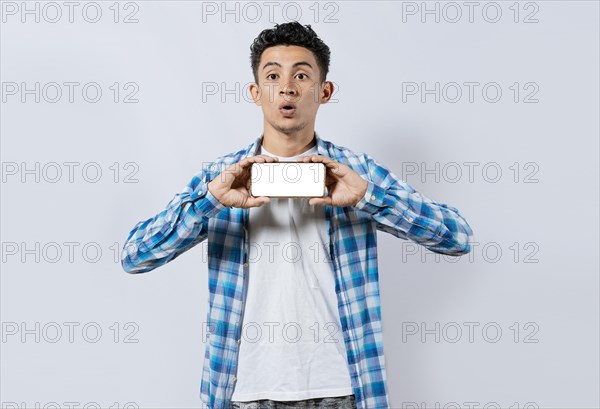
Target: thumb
(257,201)
(321,201)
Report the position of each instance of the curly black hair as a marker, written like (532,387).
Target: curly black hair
(292,33)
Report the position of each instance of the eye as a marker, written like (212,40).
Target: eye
(269,76)
(301,73)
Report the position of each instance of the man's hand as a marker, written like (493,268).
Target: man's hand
(345,186)
(231,187)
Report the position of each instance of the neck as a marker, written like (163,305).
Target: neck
(287,145)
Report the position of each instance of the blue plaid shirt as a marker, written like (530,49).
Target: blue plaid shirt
(389,205)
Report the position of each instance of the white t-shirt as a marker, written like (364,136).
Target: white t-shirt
(288,348)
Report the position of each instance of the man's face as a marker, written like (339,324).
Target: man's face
(289,75)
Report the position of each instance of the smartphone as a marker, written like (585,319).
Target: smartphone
(287,179)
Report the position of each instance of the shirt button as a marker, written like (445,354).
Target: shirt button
(410,219)
(373,197)
(238,341)
(233,378)
(245,264)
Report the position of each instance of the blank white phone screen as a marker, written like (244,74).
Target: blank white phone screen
(288,179)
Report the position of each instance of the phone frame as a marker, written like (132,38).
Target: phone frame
(258,164)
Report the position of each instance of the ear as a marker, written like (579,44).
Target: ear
(255,92)
(327,91)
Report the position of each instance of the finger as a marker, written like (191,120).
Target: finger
(321,201)
(333,166)
(316,158)
(246,163)
(267,158)
(237,169)
(257,159)
(257,201)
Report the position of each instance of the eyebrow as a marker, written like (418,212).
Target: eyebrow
(293,66)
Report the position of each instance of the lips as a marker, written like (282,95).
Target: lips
(287,104)
(287,108)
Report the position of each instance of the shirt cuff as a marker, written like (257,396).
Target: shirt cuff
(209,205)
(372,201)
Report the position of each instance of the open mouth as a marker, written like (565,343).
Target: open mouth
(287,108)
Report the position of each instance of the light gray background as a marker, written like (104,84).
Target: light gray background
(170,132)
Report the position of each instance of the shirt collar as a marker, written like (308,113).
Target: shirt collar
(253,147)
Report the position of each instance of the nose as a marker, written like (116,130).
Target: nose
(289,89)
(290,92)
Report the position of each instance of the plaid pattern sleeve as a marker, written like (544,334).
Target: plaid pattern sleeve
(400,210)
(180,226)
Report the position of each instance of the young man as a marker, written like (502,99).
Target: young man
(326,289)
